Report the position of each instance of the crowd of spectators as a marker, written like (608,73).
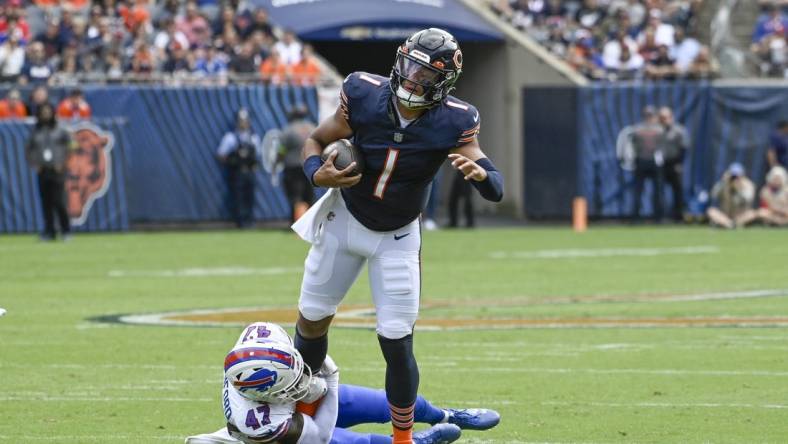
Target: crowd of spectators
(769,43)
(209,41)
(617,39)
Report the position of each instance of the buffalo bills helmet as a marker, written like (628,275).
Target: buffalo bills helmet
(264,332)
(267,371)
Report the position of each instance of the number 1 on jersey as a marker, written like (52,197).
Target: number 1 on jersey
(385,175)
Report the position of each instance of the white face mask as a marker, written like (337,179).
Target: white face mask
(409,99)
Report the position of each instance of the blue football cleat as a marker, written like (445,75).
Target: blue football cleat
(474,419)
(438,434)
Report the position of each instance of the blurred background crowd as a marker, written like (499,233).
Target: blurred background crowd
(65,42)
(640,39)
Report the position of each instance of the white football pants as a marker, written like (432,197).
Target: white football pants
(336,260)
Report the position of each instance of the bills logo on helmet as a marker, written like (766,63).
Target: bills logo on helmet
(260,381)
(88,169)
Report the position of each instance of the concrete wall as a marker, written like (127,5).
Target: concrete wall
(493,79)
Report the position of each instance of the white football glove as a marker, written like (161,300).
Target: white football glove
(329,367)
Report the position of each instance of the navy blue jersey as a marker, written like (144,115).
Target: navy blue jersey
(399,162)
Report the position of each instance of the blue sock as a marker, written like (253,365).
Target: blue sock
(344,436)
(426,412)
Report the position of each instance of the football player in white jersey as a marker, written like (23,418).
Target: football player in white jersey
(267,386)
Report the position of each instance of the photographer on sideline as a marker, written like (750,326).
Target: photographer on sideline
(238,150)
(732,199)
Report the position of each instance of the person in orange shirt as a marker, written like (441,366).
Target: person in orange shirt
(74,107)
(135,16)
(274,70)
(12,107)
(307,70)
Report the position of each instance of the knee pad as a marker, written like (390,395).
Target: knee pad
(398,298)
(315,307)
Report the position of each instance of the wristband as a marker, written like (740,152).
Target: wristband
(311,165)
(491,188)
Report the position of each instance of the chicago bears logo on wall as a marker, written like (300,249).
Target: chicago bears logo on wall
(88,169)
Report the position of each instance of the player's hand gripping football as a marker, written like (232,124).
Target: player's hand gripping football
(330,177)
(469,168)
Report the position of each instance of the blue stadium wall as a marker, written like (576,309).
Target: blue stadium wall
(163,164)
(570,140)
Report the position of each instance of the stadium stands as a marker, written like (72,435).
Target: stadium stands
(617,39)
(207,42)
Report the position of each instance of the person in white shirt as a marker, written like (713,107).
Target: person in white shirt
(12,59)
(684,51)
(289,48)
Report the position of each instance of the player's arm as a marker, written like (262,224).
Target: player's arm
(474,164)
(325,174)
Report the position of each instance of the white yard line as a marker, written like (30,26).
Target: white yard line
(83,438)
(669,404)
(610,371)
(456,367)
(205,272)
(574,253)
(102,399)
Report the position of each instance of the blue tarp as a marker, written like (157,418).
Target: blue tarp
(163,163)
(725,124)
(377,19)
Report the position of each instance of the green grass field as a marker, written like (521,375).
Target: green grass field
(64,378)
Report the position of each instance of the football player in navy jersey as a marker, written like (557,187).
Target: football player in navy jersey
(405,126)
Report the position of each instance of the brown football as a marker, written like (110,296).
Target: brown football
(347,153)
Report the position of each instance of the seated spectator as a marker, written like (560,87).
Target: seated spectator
(51,39)
(684,51)
(226,20)
(611,52)
(179,61)
(14,21)
(590,14)
(732,199)
(627,67)
(135,16)
(74,107)
(774,22)
(772,51)
(210,63)
(167,38)
(703,67)
(649,49)
(663,32)
(194,26)
(307,71)
(12,59)
(37,70)
(245,61)
(273,70)
(584,57)
(12,107)
(260,23)
(774,198)
(289,48)
(777,153)
(143,60)
(662,67)
(38,97)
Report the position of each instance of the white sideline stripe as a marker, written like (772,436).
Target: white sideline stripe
(602,252)
(455,368)
(101,399)
(82,438)
(669,404)
(610,371)
(205,272)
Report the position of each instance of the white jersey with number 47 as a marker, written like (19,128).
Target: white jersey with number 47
(252,421)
